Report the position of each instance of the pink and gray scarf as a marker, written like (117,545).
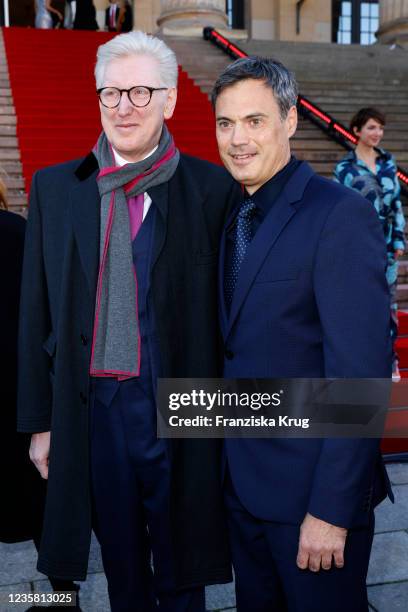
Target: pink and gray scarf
(116,341)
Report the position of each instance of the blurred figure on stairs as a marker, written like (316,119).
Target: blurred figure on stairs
(85,16)
(372,171)
(46,16)
(126,19)
(21,512)
(70,10)
(119,16)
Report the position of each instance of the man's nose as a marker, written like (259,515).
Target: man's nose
(239,135)
(125,106)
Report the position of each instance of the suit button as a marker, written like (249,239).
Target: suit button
(83,398)
(84,339)
(228,354)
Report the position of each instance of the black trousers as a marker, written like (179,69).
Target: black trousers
(131,484)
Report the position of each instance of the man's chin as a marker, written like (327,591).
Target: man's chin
(241,175)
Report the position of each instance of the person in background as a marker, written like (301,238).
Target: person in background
(126,16)
(119,16)
(46,16)
(22,509)
(112,16)
(372,172)
(85,16)
(70,10)
(16,473)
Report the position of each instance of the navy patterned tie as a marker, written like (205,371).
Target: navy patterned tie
(242,238)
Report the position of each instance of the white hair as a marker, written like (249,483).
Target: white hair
(138,43)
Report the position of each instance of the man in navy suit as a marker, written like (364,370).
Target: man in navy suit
(303,294)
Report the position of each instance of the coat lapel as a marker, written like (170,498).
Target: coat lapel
(276,220)
(160,198)
(85,210)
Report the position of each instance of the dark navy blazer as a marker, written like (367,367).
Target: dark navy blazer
(311,301)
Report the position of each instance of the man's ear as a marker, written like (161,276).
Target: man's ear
(170,103)
(291,121)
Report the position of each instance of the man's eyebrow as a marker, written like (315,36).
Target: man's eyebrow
(254,115)
(251,116)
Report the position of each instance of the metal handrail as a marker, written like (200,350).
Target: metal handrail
(328,124)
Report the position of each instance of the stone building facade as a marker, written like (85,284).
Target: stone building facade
(293,20)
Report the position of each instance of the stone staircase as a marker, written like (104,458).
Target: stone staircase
(375,76)
(362,76)
(10,164)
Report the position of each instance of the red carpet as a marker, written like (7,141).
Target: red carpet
(51,76)
(398,421)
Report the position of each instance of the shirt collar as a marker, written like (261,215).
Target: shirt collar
(352,156)
(120,161)
(266,195)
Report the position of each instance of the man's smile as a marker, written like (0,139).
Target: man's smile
(242,159)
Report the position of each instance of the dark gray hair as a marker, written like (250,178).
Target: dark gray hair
(281,81)
(138,43)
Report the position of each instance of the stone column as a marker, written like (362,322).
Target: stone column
(393,22)
(188,17)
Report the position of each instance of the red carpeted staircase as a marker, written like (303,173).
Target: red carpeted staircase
(402,343)
(51,77)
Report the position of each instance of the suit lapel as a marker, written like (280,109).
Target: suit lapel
(267,234)
(280,214)
(85,211)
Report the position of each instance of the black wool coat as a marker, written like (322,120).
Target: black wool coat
(57,312)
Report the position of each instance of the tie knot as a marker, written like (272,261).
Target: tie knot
(247,209)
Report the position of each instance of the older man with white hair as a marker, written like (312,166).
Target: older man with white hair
(119,288)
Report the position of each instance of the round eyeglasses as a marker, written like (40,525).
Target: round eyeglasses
(139,95)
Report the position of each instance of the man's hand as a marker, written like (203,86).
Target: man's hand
(39,452)
(318,543)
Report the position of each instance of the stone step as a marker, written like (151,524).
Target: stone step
(403,272)
(7,120)
(320,156)
(8,141)
(324,168)
(10,165)
(402,294)
(346,108)
(16,198)
(11,168)
(13,182)
(364,89)
(9,154)
(346,102)
(399,117)
(337,94)
(8,130)
(318,144)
